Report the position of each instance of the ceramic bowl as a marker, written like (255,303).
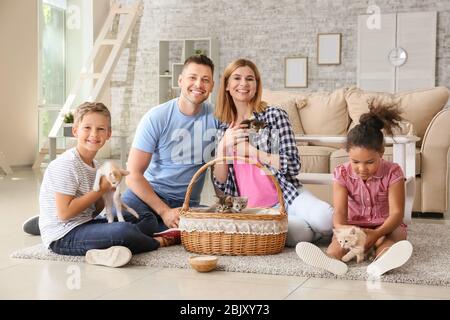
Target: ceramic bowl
(203,263)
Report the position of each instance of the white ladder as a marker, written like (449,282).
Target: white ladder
(132,12)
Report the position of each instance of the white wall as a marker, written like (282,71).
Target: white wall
(18,81)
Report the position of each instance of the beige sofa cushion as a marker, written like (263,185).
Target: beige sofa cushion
(325,113)
(420,106)
(286,101)
(315,159)
(340,156)
(358,102)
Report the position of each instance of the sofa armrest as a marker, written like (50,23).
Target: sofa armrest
(434,173)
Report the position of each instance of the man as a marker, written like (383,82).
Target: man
(172,141)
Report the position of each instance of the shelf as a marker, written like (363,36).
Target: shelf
(177,68)
(173,53)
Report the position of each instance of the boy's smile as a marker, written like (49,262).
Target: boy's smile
(92,133)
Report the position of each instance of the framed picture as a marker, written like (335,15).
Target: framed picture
(296,72)
(329,48)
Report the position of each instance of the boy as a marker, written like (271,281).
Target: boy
(68,205)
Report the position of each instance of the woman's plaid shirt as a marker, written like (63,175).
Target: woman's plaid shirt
(277,137)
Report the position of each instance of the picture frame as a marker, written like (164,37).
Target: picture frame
(296,72)
(329,48)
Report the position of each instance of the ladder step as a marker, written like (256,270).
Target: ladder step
(90,75)
(109,42)
(124,10)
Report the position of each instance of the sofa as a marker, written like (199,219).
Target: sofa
(334,113)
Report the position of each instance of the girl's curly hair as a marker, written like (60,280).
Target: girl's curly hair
(368,133)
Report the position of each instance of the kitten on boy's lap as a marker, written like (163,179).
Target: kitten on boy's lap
(114,175)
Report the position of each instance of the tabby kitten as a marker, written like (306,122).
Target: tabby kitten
(254,124)
(230,204)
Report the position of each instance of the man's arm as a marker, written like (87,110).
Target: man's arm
(138,161)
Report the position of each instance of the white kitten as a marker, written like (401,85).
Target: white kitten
(352,239)
(114,175)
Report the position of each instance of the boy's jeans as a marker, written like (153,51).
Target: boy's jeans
(136,234)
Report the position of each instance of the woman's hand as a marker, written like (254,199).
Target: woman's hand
(245,149)
(232,136)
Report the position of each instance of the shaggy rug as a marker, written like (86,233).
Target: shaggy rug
(428,264)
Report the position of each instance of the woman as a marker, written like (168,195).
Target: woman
(239,98)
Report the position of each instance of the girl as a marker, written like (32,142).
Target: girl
(368,192)
(239,98)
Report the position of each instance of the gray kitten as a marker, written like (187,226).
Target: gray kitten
(254,124)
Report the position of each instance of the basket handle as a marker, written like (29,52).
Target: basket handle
(187,198)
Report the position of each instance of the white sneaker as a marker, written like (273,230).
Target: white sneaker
(114,257)
(394,257)
(312,255)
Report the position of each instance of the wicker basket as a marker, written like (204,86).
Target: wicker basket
(220,242)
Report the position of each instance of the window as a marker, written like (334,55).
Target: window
(52,61)
(52,65)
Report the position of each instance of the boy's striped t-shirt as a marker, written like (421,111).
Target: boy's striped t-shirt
(69,175)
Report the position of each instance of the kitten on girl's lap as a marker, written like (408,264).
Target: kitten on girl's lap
(353,238)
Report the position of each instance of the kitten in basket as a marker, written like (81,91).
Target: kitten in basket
(114,175)
(229,204)
(354,238)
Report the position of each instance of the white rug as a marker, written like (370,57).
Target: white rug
(429,263)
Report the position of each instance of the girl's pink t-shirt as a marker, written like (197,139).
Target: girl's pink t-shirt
(254,183)
(368,201)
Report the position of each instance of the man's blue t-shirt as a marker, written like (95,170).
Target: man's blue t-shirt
(179,145)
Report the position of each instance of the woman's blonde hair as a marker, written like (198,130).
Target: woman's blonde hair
(225,108)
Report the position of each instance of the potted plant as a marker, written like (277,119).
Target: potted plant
(200,52)
(68,123)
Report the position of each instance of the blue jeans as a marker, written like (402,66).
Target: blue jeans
(135,234)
